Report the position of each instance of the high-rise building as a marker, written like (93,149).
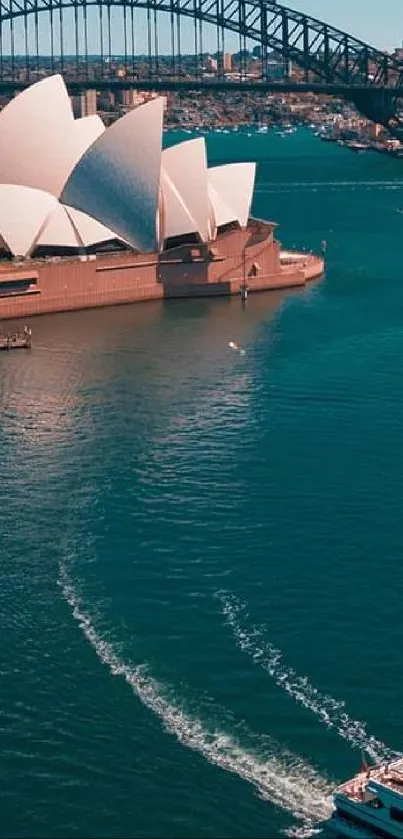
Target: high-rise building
(131,98)
(88,103)
(211,64)
(227,62)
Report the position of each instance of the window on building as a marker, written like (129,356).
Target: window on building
(10,286)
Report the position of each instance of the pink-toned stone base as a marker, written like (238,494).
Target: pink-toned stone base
(116,278)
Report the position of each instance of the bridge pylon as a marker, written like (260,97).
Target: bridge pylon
(380,106)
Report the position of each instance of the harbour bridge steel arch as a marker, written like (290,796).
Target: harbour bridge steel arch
(372,79)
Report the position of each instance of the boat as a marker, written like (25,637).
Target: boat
(285,132)
(21,340)
(370,805)
(326,137)
(356,146)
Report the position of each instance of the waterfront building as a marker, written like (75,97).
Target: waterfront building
(125,219)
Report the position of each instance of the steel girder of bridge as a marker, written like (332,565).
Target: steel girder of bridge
(327,56)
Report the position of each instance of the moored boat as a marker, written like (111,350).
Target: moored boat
(21,340)
(355,145)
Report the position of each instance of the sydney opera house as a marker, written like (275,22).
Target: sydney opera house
(95,216)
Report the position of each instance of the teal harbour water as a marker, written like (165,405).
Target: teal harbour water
(201,552)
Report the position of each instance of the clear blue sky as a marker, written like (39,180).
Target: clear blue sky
(379,22)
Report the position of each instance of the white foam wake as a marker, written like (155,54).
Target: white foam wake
(332,712)
(284,780)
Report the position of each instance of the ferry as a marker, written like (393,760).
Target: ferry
(370,805)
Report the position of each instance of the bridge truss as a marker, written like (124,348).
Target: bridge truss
(88,40)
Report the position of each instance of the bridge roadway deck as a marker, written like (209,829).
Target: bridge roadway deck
(207,85)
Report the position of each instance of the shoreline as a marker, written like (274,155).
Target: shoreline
(359,144)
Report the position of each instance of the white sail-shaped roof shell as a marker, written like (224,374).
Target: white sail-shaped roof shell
(70,228)
(87,130)
(234,184)
(23,213)
(59,231)
(186,166)
(82,135)
(112,184)
(117,180)
(176,218)
(34,130)
(90,231)
(223,214)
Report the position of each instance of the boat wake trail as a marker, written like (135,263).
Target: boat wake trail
(279,777)
(331,712)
